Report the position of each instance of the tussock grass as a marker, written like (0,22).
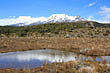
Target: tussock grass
(99,46)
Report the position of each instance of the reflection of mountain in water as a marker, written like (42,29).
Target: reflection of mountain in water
(47,55)
(36,58)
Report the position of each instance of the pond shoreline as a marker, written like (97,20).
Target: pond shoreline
(64,67)
(36,58)
(86,46)
(93,46)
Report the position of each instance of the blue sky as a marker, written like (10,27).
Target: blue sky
(91,9)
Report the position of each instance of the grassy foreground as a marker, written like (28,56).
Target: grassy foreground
(97,46)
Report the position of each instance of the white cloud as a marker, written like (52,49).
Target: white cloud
(26,20)
(101,21)
(91,18)
(20,19)
(105,13)
(92,4)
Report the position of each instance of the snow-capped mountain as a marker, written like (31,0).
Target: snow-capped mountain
(63,18)
(52,19)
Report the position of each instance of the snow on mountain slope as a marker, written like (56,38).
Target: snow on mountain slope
(63,18)
(25,21)
(30,20)
(60,18)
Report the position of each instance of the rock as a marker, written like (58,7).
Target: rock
(84,50)
(67,35)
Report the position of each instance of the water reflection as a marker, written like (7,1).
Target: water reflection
(47,55)
(103,58)
(36,58)
(33,58)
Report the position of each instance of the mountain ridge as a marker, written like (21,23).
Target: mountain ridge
(52,19)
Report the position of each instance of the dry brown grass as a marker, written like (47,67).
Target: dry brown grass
(100,46)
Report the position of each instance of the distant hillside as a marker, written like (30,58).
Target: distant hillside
(49,28)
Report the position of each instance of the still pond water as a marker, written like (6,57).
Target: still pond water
(36,58)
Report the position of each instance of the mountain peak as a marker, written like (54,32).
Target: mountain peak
(52,19)
(63,18)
